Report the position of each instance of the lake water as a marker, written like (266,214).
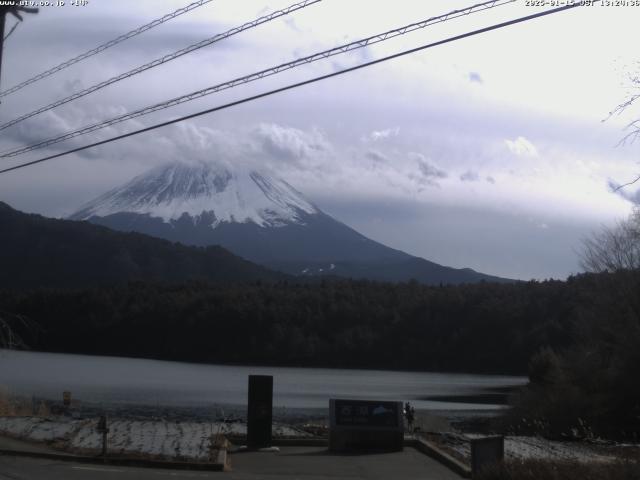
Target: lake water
(117,380)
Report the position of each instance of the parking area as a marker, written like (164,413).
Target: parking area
(316,463)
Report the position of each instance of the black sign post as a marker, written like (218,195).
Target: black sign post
(66,402)
(260,411)
(104,430)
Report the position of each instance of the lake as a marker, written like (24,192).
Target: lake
(127,381)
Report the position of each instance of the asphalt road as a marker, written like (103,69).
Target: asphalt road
(305,463)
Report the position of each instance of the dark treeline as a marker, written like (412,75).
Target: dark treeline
(590,387)
(476,327)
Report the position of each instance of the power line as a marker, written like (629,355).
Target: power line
(298,84)
(261,74)
(106,45)
(15,25)
(165,59)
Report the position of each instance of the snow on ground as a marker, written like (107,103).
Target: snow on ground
(540,448)
(524,447)
(156,438)
(38,429)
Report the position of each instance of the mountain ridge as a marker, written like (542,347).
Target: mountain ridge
(260,218)
(36,251)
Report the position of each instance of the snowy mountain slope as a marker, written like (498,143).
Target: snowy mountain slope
(214,190)
(260,218)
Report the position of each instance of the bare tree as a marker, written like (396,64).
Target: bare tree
(614,248)
(633,127)
(8,337)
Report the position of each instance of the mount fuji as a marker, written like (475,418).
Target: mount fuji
(258,217)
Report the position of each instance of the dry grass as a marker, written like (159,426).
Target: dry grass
(555,470)
(427,422)
(16,406)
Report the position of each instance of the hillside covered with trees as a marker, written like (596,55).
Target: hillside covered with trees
(36,251)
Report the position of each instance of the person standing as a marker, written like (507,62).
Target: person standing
(409,415)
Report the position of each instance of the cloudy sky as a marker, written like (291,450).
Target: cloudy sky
(489,152)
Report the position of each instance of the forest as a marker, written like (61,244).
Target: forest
(339,323)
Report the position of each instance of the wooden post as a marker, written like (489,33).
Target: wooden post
(102,428)
(15,10)
(3,14)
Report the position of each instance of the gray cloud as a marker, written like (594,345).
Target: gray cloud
(427,173)
(431,171)
(475,77)
(426,168)
(291,23)
(470,176)
(504,244)
(376,156)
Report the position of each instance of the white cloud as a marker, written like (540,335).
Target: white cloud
(291,144)
(376,135)
(521,147)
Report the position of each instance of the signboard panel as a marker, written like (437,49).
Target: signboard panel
(366,414)
(365,425)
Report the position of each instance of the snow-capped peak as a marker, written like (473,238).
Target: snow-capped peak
(230,193)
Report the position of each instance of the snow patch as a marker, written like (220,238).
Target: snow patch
(225,193)
(536,448)
(158,438)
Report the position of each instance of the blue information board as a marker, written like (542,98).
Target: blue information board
(366,413)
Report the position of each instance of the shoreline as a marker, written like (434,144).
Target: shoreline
(233,413)
(510,375)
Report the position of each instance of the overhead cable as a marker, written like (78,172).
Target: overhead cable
(15,25)
(298,84)
(104,46)
(261,74)
(163,60)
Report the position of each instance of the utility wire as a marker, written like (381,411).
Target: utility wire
(164,59)
(298,84)
(104,46)
(15,25)
(261,74)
